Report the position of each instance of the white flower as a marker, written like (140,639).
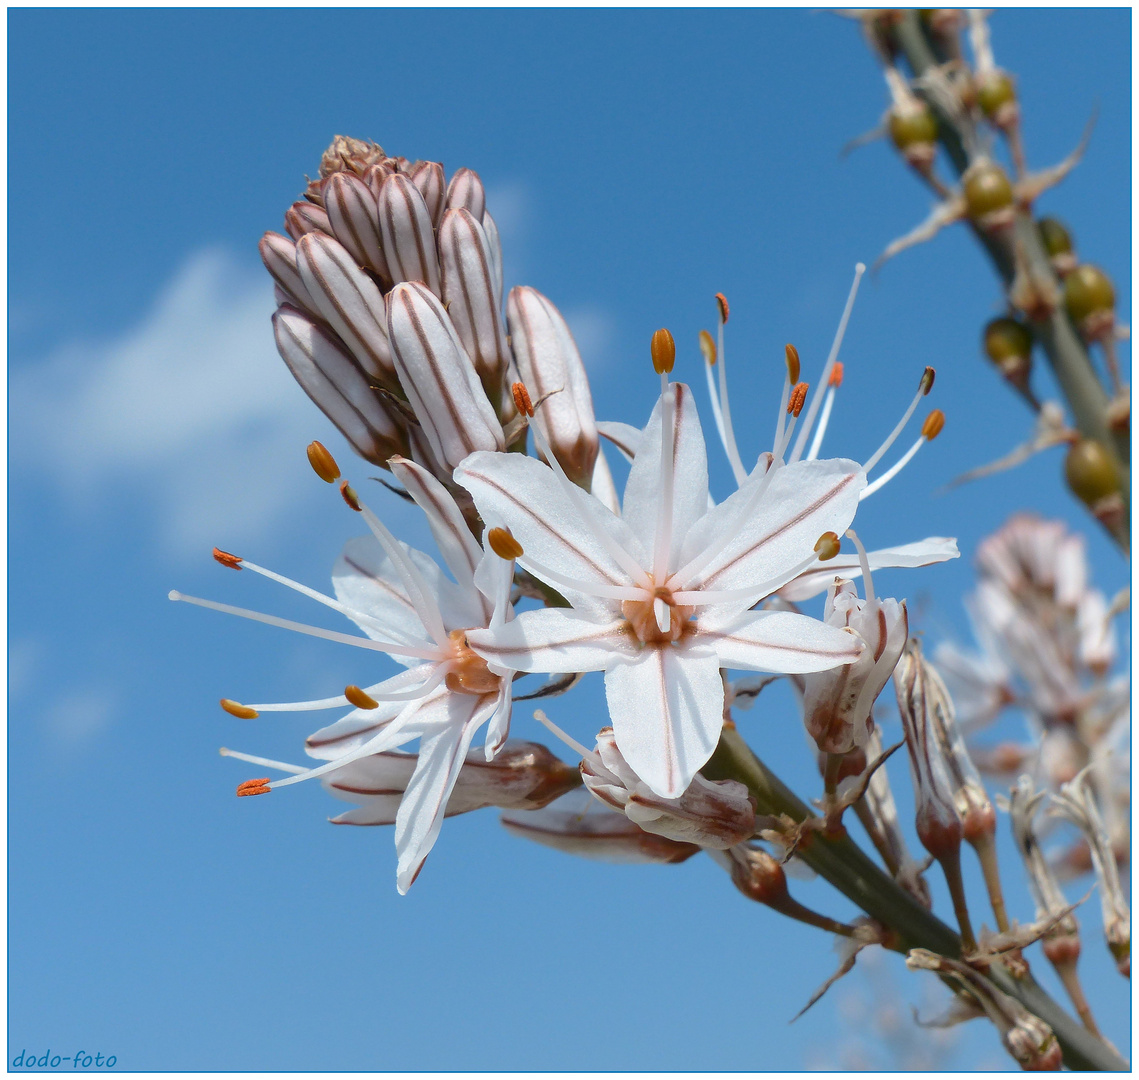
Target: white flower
(660,596)
(410,610)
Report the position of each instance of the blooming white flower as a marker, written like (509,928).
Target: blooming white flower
(410,610)
(660,596)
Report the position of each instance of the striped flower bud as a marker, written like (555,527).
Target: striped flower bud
(350,302)
(303,217)
(467,193)
(427,176)
(407,233)
(466,262)
(279,254)
(340,390)
(438,376)
(351,208)
(550,364)
(838,704)
(713,814)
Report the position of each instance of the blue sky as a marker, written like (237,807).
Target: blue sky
(637,162)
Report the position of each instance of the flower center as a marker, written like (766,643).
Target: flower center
(469,673)
(642,616)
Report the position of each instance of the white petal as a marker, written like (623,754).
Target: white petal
(442,749)
(601,485)
(526,496)
(437,374)
(459,548)
(777,641)
(625,437)
(933,549)
(555,639)
(690,475)
(499,729)
(667,709)
(801,502)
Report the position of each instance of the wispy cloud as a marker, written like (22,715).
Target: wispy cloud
(191,410)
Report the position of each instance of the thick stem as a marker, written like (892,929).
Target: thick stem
(850,870)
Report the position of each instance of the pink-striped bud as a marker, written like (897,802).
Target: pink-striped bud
(407,233)
(427,176)
(467,193)
(279,254)
(351,208)
(304,217)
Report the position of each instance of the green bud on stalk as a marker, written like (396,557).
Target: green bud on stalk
(1088,292)
(1091,472)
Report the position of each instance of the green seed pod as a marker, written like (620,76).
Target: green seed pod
(987,189)
(993,91)
(1007,340)
(1054,236)
(912,127)
(1090,472)
(1088,291)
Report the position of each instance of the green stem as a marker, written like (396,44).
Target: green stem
(850,870)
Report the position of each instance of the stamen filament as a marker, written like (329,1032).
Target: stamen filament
(374,692)
(714,397)
(588,588)
(269,763)
(569,740)
(425,653)
(890,473)
(821,430)
(702,597)
(662,548)
(877,455)
(728,435)
(812,412)
(864,562)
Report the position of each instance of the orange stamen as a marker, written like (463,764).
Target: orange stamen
(827,546)
(722,302)
(226,559)
(927,380)
(235,708)
(836,375)
(792,363)
(933,423)
(322,462)
(522,400)
(503,544)
(798,397)
(253,787)
(663,350)
(357,697)
(349,495)
(708,348)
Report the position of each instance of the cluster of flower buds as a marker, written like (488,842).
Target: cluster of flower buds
(390,290)
(1047,650)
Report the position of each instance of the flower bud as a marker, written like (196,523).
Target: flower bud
(407,233)
(351,208)
(427,176)
(348,154)
(523,776)
(1008,343)
(713,814)
(913,130)
(1091,472)
(466,192)
(580,825)
(1058,244)
(434,369)
(1089,298)
(838,704)
(279,254)
(303,217)
(550,364)
(995,91)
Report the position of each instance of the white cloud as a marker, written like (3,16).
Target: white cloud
(75,718)
(192,408)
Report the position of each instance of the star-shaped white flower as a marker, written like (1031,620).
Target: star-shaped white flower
(660,596)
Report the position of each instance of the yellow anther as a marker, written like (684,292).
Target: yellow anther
(722,303)
(792,363)
(798,397)
(827,546)
(235,708)
(503,544)
(349,495)
(933,424)
(226,559)
(708,348)
(926,384)
(357,697)
(253,787)
(663,350)
(522,400)
(836,375)
(322,462)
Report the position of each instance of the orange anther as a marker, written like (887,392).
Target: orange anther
(792,363)
(798,396)
(926,384)
(836,374)
(322,462)
(708,348)
(357,697)
(235,708)
(503,544)
(722,303)
(522,400)
(253,787)
(349,495)
(226,559)
(827,546)
(663,350)
(933,423)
